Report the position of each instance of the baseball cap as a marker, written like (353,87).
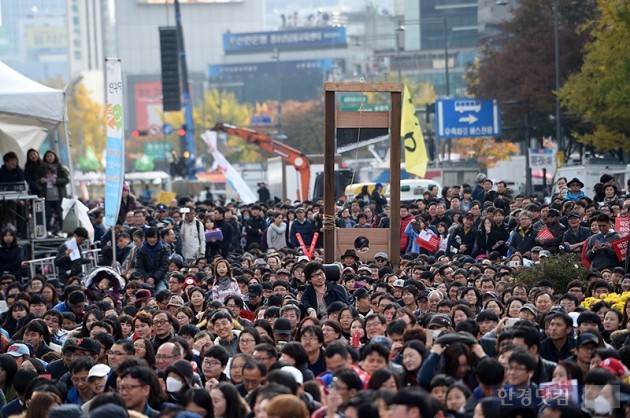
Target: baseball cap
(99,370)
(295,373)
(360,293)
(85,344)
(399,283)
(381,254)
(536,249)
(303,258)
(440,321)
(531,308)
(377,185)
(18,350)
(613,365)
(282,326)
(573,214)
(544,253)
(254,290)
(553,212)
(189,281)
(586,338)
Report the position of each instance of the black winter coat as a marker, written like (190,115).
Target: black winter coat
(11,259)
(153,262)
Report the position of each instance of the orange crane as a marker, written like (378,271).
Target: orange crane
(298,159)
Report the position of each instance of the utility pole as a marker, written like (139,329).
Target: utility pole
(186,99)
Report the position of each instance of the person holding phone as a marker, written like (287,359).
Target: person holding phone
(599,250)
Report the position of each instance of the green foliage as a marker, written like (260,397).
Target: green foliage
(600,92)
(518,66)
(560,269)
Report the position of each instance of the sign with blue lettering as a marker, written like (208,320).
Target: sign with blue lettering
(271,68)
(294,39)
(467,118)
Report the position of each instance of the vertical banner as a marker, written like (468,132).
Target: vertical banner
(115,150)
(415,151)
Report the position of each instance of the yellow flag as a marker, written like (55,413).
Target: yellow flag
(412,139)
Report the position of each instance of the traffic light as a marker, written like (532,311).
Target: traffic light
(137,133)
(169,54)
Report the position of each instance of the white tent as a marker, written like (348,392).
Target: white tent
(29,111)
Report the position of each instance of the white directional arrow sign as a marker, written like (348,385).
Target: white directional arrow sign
(469,118)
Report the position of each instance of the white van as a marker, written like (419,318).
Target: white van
(412,189)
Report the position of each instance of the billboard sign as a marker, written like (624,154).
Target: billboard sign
(467,118)
(148,103)
(271,68)
(309,38)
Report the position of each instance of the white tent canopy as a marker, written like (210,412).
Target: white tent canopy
(29,111)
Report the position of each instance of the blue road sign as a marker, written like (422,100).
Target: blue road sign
(167,129)
(467,118)
(260,120)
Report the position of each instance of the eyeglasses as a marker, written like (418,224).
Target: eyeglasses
(128,388)
(247,340)
(262,358)
(79,379)
(516,369)
(164,356)
(212,363)
(161,322)
(308,338)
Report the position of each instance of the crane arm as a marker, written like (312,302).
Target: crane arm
(288,154)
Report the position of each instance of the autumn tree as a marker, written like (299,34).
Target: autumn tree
(518,68)
(600,92)
(86,121)
(485,150)
(223,106)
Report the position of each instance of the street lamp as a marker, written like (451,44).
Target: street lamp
(556,36)
(444,22)
(399,32)
(556,41)
(276,56)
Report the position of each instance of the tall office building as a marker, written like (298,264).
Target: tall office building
(91,34)
(33,37)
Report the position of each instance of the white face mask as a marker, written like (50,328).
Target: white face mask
(173,385)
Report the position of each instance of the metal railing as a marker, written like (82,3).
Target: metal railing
(47,267)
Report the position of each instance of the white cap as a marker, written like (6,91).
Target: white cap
(297,375)
(399,283)
(99,370)
(303,258)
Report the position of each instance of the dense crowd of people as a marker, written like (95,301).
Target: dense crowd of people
(220,310)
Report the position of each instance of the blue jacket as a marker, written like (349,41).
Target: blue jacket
(306,229)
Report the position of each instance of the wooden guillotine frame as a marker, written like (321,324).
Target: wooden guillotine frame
(337,240)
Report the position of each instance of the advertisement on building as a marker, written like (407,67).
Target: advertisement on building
(148,104)
(296,39)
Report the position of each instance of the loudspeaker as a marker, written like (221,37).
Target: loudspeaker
(333,272)
(38,219)
(169,54)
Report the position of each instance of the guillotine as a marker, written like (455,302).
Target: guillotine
(366,242)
